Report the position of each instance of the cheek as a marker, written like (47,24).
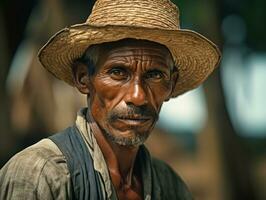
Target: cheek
(159,93)
(106,94)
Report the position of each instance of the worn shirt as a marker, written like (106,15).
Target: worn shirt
(40,172)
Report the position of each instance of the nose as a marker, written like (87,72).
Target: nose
(136,94)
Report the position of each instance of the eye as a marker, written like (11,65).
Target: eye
(118,73)
(154,75)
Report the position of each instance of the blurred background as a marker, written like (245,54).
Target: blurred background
(213,136)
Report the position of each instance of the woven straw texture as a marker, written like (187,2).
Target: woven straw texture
(153,20)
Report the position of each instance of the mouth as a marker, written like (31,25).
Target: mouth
(134,120)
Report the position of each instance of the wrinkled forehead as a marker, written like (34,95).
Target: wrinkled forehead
(138,46)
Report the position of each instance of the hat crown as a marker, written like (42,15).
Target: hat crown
(162,14)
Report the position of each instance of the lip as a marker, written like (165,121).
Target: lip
(134,121)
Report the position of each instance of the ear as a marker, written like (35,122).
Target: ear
(81,77)
(174,81)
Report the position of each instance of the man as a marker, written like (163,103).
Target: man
(128,58)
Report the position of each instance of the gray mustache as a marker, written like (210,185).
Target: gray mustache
(132,111)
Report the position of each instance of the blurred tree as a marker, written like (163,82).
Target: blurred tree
(14,19)
(206,17)
(14,15)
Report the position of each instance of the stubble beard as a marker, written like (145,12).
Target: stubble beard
(136,140)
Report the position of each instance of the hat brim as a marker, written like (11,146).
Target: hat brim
(195,56)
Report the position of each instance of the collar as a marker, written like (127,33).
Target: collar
(100,165)
(94,149)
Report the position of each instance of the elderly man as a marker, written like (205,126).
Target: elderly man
(128,58)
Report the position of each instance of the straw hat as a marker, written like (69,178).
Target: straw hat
(153,20)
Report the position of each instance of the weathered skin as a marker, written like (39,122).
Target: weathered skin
(125,94)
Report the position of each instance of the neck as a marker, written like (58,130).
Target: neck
(119,159)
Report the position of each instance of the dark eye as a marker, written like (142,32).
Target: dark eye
(154,75)
(118,73)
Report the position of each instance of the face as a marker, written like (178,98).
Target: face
(127,90)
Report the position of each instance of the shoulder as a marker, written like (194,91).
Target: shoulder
(35,158)
(37,170)
(170,181)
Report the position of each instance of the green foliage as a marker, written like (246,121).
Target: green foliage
(253,12)
(196,15)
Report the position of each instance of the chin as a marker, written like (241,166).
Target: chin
(127,138)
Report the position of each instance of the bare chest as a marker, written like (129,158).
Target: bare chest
(129,194)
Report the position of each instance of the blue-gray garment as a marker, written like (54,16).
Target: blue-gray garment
(85,183)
